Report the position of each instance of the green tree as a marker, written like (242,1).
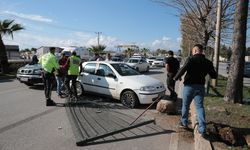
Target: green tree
(97,48)
(223,51)
(7,27)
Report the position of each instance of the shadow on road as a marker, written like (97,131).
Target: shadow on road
(2,79)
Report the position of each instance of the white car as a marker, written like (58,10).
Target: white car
(150,60)
(140,64)
(119,81)
(159,62)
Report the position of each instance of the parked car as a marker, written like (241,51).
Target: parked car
(246,69)
(30,74)
(119,81)
(140,64)
(115,58)
(159,62)
(150,60)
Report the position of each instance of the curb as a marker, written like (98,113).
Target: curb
(199,142)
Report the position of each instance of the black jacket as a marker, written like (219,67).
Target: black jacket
(197,67)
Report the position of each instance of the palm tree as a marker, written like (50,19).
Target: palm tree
(7,27)
(130,51)
(97,49)
(145,51)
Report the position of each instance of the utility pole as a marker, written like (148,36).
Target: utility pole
(98,37)
(217,39)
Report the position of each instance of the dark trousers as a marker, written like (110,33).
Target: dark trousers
(71,78)
(48,80)
(171,85)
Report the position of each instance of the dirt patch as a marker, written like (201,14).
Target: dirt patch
(171,122)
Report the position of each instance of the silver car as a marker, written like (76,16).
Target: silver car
(30,74)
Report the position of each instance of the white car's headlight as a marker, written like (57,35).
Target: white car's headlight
(148,88)
(37,71)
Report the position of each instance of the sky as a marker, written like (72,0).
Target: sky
(76,22)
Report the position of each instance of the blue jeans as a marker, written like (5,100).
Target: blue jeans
(59,81)
(196,92)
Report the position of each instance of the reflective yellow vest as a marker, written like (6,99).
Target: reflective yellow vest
(74,65)
(48,62)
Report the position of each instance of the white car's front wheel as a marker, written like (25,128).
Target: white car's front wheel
(79,89)
(129,99)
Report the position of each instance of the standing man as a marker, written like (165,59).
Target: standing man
(172,66)
(196,68)
(60,74)
(49,65)
(75,67)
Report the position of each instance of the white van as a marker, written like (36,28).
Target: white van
(80,51)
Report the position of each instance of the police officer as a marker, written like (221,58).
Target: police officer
(49,65)
(74,65)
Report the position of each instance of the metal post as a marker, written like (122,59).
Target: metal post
(217,39)
(98,37)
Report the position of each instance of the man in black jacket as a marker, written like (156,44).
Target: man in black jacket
(196,68)
(172,66)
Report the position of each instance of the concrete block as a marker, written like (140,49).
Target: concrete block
(166,106)
(199,142)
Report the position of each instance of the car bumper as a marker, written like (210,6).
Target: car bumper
(147,98)
(29,78)
(157,64)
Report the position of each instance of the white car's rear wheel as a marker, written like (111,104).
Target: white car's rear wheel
(129,99)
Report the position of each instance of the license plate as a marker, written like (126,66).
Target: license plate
(24,79)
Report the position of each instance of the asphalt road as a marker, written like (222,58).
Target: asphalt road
(27,124)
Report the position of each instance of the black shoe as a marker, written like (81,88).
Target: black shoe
(50,103)
(183,126)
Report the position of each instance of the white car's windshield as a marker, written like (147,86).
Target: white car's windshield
(125,70)
(159,59)
(133,60)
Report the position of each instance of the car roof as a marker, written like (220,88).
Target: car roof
(105,62)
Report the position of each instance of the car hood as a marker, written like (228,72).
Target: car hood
(140,80)
(36,66)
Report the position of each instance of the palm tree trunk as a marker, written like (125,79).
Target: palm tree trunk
(4,65)
(234,89)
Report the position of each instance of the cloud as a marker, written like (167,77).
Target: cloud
(109,41)
(29,16)
(166,43)
(29,39)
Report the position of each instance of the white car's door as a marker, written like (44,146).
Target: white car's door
(106,83)
(144,65)
(87,77)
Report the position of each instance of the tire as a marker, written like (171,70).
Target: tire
(137,69)
(79,89)
(129,99)
(147,69)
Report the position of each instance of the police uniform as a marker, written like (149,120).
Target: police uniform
(49,65)
(73,72)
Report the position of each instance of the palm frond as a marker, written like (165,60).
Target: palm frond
(16,27)
(6,23)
